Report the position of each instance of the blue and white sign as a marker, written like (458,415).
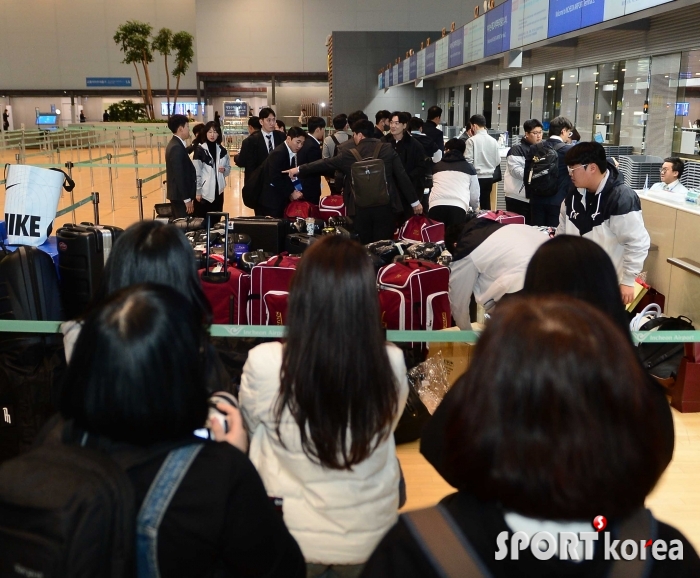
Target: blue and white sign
(400,73)
(568,15)
(637,5)
(406,70)
(455,55)
(420,64)
(477,31)
(394,75)
(413,67)
(442,49)
(387,78)
(430,60)
(107,81)
(497,37)
(535,21)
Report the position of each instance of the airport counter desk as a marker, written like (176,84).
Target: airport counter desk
(673,263)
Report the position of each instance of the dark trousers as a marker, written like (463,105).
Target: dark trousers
(179,209)
(374,223)
(201,208)
(485,194)
(544,215)
(448,214)
(276,212)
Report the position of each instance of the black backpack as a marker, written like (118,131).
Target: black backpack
(368,178)
(663,359)
(253,186)
(542,170)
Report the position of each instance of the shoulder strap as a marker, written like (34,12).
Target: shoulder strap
(444,544)
(640,527)
(559,145)
(159,496)
(335,140)
(375,153)
(356,154)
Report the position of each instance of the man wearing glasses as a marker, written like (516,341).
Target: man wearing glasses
(516,201)
(602,208)
(671,172)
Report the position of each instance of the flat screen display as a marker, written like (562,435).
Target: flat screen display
(46,119)
(682,108)
(180,108)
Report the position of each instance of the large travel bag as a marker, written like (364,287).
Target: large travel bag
(269,290)
(421,229)
(266,233)
(83,251)
(297,243)
(226,287)
(413,295)
(503,217)
(332,206)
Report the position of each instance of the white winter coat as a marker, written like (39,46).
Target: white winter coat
(337,517)
(207,170)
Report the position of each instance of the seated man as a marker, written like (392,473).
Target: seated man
(671,172)
(489,260)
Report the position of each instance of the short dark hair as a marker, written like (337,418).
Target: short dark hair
(340,121)
(587,153)
(315,122)
(478,120)
(364,127)
(254,122)
(212,125)
(416,124)
(550,434)
(176,121)
(382,114)
(456,144)
(280,125)
(153,252)
(295,132)
(558,124)
(196,129)
(353,117)
(266,112)
(572,265)
(335,286)
(677,165)
(403,117)
(160,393)
(433,112)
(532,124)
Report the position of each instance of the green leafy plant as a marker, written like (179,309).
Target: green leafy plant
(163,44)
(127,111)
(182,44)
(134,39)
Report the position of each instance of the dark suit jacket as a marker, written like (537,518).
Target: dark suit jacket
(414,161)
(311,186)
(431,130)
(254,151)
(277,186)
(180,173)
(400,186)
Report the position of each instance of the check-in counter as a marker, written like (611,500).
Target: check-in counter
(673,263)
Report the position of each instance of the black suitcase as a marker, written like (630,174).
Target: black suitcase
(83,251)
(297,243)
(266,233)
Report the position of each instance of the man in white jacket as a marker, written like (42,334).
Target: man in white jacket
(490,260)
(516,201)
(602,208)
(482,152)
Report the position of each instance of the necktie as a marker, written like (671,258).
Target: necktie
(666,188)
(269,143)
(294,161)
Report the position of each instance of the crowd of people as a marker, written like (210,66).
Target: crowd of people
(554,423)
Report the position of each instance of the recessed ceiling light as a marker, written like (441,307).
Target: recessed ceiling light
(549,86)
(572,76)
(666,76)
(614,80)
(596,73)
(551,78)
(623,69)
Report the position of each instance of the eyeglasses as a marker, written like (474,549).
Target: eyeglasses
(664,170)
(395,123)
(572,169)
(536,133)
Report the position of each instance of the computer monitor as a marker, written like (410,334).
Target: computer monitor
(682,108)
(46,119)
(598,138)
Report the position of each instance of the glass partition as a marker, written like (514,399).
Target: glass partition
(608,102)
(525,100)
(514,103)
(587,77)
(635,95)
(687,106)
(569,93)
(487,102)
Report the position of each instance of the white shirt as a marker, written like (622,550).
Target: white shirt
(675,187)
(292,155)
(271,140)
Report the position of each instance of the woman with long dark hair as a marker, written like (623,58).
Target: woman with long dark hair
(321,408)
(213,165)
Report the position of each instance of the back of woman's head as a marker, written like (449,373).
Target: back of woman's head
(139,371)
(152,252)
(555,418)
(336,377)
(580,268)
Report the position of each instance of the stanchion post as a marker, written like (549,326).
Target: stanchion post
(136,163)
(139,195)
(111,183)
(116,170)
(92,174)
(69,166)
(17,157)
(96,207)
(159,153)
(150,144)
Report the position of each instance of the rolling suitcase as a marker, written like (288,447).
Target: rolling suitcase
(413,295)
(297,243)
(83,251)
(266,233)
(269,290)
(226,288)
(332,206)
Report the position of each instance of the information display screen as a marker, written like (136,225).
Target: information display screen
(235,109)
(497,35)
(568,15)
(413,67)
(399,80)
(46,119)
(180,108)
(406,70)
(430,59)
(442,48)
(455,56)
(420,64)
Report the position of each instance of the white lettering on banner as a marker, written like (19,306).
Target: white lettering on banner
(502,21)
(6,415)
(572,7)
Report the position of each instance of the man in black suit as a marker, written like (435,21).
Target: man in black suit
(371,223)
(430,128)
(278,188)
(180,172)
(310,152)
(383,117)
(256,147)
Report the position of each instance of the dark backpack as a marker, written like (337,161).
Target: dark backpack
(542,170)
(663,359)
(253,186)
(68,510)
(368,178)
(335,180)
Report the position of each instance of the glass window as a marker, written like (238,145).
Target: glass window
(687,106)
(608,102)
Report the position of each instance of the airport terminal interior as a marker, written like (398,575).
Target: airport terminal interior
(625,72)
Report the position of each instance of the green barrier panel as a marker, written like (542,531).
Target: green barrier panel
(152,177)
(277,331)
(2,182)
(85,201)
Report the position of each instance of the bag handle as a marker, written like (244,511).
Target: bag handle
(375,153)
(68,183)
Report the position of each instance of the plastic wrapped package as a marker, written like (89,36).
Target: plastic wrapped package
(429,381)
